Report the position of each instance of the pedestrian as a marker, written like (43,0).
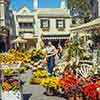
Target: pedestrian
(59,51)
(51,51)
(90,46)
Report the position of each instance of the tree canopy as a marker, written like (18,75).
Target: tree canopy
(82,6)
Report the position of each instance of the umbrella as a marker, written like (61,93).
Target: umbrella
(19,40)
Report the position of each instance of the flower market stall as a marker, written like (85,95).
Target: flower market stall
(76,76)
(10,82)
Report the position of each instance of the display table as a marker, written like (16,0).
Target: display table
(10,83)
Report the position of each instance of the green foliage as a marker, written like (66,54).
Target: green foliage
(37,55)
(75,50)
(21,69)
(80,5)
(40,74)
(8,71)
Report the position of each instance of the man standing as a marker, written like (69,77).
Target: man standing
(51,51)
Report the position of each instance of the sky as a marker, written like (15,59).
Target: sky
(16,4)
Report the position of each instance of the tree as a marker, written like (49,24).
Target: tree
(82,7)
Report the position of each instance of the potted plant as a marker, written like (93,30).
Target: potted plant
(38,75)
(51,84)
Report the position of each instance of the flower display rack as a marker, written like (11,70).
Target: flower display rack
(10,84)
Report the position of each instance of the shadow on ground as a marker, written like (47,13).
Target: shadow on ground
(26,96)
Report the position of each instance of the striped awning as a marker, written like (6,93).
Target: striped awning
(55,37)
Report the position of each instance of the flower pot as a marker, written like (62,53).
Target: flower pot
(36,81)
(86,97)
(99,97)
(75,98)
(72,98)
(49,91)
(79,97)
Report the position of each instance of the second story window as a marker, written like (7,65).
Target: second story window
(60,24)
(26,25)
(45,23)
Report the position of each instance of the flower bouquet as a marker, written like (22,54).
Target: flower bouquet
(11,89)
(11,84)
(37,55)
(91,91)
(8,71)
(14,56)
(51,84)
(70,84)
(38,76)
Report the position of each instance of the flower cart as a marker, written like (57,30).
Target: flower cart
(11,88)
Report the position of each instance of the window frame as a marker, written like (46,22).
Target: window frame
(42,21)
(63,23)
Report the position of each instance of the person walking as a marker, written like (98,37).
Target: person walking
(59,51)
(51,51)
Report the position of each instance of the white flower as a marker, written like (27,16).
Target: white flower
(39,66)
(98,89)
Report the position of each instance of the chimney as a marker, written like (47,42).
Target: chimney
(35,4)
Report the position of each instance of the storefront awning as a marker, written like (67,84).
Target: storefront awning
(55,37)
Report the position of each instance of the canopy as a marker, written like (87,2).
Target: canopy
(19,40)
(90,25)
(55,37)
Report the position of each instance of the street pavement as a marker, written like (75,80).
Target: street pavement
(34,92)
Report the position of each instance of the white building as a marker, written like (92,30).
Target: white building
(4,10)
(52,24)
(24,24)
(48,24)
(99,8)
(4,25)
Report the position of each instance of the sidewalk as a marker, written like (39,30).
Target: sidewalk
(35,92)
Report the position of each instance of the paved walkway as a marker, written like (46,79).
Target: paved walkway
(34,92)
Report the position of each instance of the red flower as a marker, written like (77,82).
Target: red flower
(91,90)
(68,80)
